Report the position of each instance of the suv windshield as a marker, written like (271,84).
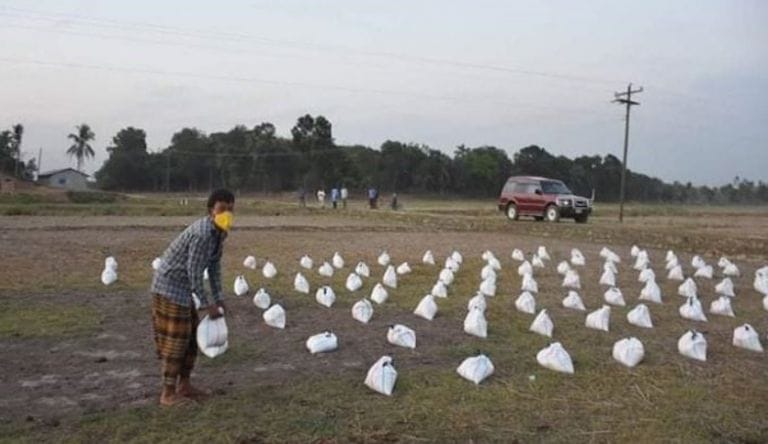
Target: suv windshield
(552,187)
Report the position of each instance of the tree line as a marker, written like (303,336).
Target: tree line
(257,159)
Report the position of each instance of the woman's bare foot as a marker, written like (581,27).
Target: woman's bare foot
(173,400)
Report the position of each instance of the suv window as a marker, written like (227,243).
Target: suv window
(554,187)
(509,188)
(523,188)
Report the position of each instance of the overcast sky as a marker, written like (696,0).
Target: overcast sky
(441,73)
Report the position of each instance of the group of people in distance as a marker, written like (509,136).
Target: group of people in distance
(341,194)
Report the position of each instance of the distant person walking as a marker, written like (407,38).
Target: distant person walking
(344,196)
(335,194)
(394,204)
(321,198)
(373,196)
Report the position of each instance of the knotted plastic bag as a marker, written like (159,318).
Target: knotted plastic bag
(640,316)
(212,335)
(382,376)
(634,251)
(697,262)
(628,351)
(705,272)
(554,357)
(537,262)
(487,272)
(269,270)
(692,310)
(599,319)
(573,301)
(446,276)
(542,253)
(542,324)
(563,267)
(478,301)
(607,254)
(525,268)
(322,343)
(526,303)
(488,287)
(262,299)
(325,270)
(571,280)
(108,276)
(390,277)
(529,284)
(402,336)
(306,262)
(157,263)
(613,296)
(427,308)
(731,270)
(746,337)
(362,311)
(275,316)
(721,306)
(383,259)
(476,368)
(338,261)
(577,258)
(428,258)
(403,268)
(693,345)
(362,270)
(241,285)
(110,263)
(300,283)
(451,264)
(494,263)
(610,266)
(517,254)
(325,296)
(646,275)
(379,294)
(676,273)
(608,278)
(725,288)
(439,290)
(475,323)
(455,255)
(354,282)
(651,292)
(250,262)
(687,289)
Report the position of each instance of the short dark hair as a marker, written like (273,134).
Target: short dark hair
(221,195)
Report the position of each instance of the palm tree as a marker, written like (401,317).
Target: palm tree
(80,148)
(18,132)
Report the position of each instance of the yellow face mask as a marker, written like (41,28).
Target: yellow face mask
(223,221)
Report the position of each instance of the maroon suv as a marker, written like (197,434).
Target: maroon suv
(542,198)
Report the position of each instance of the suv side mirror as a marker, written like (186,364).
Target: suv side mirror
(538,191)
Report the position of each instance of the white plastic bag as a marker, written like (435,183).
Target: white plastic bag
(427,308)
(205,274)
(439,290)
(354,282)
(609,255)
(721,306)
(262,299)
(634,251)
(731,270)
(529,284)
(537,262)
(692,310)
(402,336)
(614,296)
(554,357)
(451,264)
(428,258)
(725,288)
(475,323)
(322,343)
(641,261)
(157,263)
(577,258)
(446,276)
(110,263)
(379,294)
(477,301)
(608,278)
(403,268)
(325,296)
(325,270)
(390,277)
(628,351)
(670,256)
(746,337)
(640,316)
(517,254)
(382,376)
(687,289)
(526,303)
(693,345)
(671,264)
(362,270)
(300,283)
(494,263)
(269,270)
(488,287)
(676,273)
(455,255)
(362,311)
(646,275)
(337,261)
(476,368)
(651,292)
(525,268)
(212,336)
(542,324)
(384,259)
(704,272)
(610,266)
(108,276)
(306,262)
(697,262)
(599,319)
(250,262)
(241,285)
(487,272)
(275,316)
(563,267)
(543,253)
(573,301)
(571,280)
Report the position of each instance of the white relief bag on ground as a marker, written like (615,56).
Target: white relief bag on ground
(577,258)
(543,253)
(697,262)
(610,266)
(494,263)
(646,275)
(262,299)
(687,289)
(563,267)
(306,262)
(322,343)
(537,262)
(250,262)
(731,270)
(382,376)
(608,278)
(746,337)
(401,336)
(529,284)
(634,251)
(403,268)
(609,255)
(337,260)
(428,258)
(704,272)
(446,276)
(390,277)
(526,303)
(651,292)
(475,323)
(362,270)
(525,268)
(573,301)
(108,276)
(477,301)
(671,264)
(554,357)
(614,296)
(212,335)
(572,280)
(599,319)
(300,283)
(628,351)
(691,309)
(476,368)
(362,311)
(487,272)
(640,316)
(157,263)
(439,290)
(676,273)
(427,308)
(383,259)
(721,306)
(542,324)
(725,288)
(488,287)
(325,296)
(452,264)
(693,345)
(269,270)
(670,256)
(354,282)
(111,263)
(641,261)
(517,254)
(241,285)
(325,270)
(275,316)
(455,255)
(379,294)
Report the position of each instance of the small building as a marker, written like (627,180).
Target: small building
(10,184)
(67,178)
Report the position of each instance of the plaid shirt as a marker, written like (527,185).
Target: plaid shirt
(181,273)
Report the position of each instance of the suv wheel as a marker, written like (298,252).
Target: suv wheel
(552,214)
(512,212)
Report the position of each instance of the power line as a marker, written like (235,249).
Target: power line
(625,98)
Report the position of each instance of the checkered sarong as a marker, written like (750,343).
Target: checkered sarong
(175,328)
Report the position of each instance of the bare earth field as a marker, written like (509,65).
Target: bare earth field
(78,360)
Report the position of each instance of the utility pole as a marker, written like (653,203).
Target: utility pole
(625,98)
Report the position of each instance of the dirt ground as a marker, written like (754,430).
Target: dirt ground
(55,373)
